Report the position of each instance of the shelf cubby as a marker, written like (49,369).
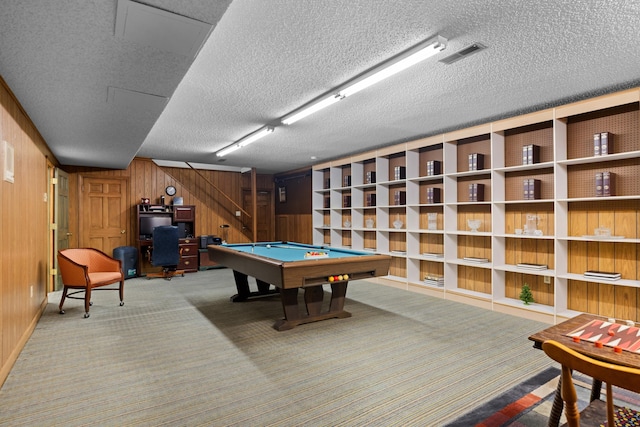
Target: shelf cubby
(398,267)
(518,215)
(474,212)
(541,286)
(604,299)
(475,279)
(431,269)
(431,216)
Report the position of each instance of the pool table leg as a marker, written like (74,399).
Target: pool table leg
(313,297)
(292,318)
(244,293)
(338,294)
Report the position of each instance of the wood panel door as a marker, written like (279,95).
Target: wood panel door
(61,220)
(104,214)
(264,214)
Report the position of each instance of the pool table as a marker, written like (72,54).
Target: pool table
(290,266)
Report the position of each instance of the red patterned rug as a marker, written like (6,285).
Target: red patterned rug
(529,404)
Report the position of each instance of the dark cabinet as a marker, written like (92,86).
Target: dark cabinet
(184,214)
(183,217)
(188,255)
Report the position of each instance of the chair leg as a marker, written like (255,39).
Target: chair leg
(121,292)
(87,301)
(64,296)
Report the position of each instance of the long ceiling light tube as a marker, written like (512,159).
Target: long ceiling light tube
(401,62)
(245,141)
(332,99)
(411,57)
(227,150)
(255,136)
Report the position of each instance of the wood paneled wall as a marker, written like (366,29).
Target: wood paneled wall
(146,179)
(23,231)
(293,217)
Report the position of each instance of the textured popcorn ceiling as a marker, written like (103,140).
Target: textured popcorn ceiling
(264,59)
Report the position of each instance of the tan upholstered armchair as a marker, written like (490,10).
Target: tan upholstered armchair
(85,269)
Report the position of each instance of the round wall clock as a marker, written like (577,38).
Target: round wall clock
(170,190)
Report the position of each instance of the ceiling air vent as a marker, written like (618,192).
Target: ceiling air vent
(463,53)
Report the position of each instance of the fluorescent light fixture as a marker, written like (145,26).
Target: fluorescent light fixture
(229,149)
(255,136)
(199,166)
(332,99)
(412,57)
(245,141)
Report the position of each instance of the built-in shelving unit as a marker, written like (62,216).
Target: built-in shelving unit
(475,214)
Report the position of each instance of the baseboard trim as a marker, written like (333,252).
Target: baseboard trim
(11,360)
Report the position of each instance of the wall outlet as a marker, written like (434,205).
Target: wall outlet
(547,279)
(238,213)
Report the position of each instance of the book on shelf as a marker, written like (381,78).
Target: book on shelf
(399,198)
(596,144)
(475,259)
(399,252)
(399,172)
(605,143)
(371,199)
(346,181)
(434,280)
(370,177)
(434,167)
(437,283)
(607,184)
(602,274)
(433,254)
(604,184)
(434,195)
(532,266)
(530,154)
(476,192)
(531,189)
(476,161)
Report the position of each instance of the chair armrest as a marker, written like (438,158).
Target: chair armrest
(72,272)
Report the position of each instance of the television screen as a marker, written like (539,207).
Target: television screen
(148,223)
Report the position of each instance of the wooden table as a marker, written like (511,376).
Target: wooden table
(606,354)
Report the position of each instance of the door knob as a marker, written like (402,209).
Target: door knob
(123,231)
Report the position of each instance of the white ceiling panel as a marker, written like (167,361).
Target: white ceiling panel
(149,26)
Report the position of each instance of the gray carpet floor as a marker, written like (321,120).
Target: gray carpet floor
(179,353)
